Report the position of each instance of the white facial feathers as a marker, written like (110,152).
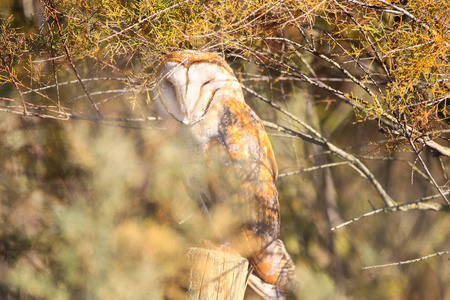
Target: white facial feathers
(187,90)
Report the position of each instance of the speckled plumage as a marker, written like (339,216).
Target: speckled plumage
(230,160)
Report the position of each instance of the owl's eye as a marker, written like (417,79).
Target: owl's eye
(169,83)
(208,104)
(206,82)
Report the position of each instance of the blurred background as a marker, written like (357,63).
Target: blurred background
(95,208)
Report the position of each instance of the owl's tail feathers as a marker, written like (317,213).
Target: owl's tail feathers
(273,272)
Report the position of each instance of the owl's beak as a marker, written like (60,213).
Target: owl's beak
(190,120)
(186,118)
(189,117)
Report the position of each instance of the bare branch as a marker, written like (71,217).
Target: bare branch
(414,205)
(399,9)
(428,171)
(376,7)
(408,261)
(71,82)
(324,166)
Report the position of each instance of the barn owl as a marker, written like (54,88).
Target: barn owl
(228,161)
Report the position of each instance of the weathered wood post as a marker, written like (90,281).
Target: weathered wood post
(216,275)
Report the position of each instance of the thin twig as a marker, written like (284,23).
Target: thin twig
(418,152)
(375,7)
(399,9)
(362,85)
(419,204)
(352,160)
(335,64)
(428,171)
(72,82)
(156,14)
(55,75)
(65,116)
(408,261)
(121,91)
(313,168)
(13,80)
(66,50)
(359,103)
(315,137)
(372,44)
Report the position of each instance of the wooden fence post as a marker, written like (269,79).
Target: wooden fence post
(216,275)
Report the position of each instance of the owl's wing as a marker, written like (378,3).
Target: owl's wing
(247,168)
(247,178)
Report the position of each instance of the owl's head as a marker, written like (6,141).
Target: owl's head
(189,82)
